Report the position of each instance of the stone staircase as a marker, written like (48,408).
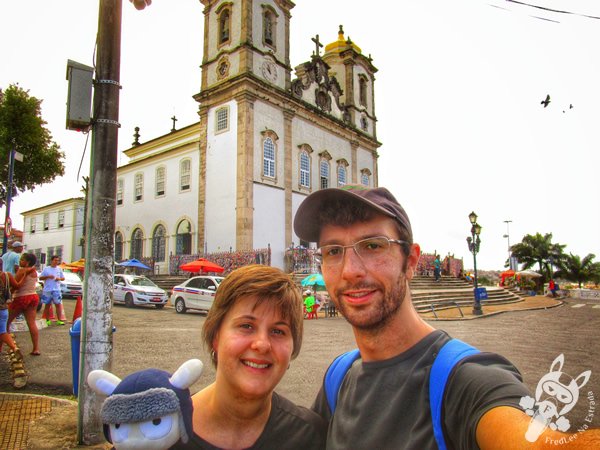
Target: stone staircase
(449,292)
(167,282)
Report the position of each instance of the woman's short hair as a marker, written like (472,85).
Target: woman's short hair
(30,258)
(265,284)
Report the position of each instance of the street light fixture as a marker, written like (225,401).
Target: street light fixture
(473,242)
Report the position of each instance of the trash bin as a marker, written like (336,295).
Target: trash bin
(75,332)
(481,293)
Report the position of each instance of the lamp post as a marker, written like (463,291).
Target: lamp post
(507,236)
(473,242)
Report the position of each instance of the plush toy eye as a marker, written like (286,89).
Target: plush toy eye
(157,428)
(119,432)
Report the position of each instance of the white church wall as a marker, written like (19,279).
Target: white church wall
(221,181)
(269,221)
(297,199)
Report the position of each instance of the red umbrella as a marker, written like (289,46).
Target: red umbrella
(201,265)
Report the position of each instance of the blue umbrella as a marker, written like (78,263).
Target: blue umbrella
(313,279)
(133,263)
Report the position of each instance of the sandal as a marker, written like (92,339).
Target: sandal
(35,353)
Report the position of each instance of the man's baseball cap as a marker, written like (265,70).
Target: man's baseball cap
(308,227)
(17,244)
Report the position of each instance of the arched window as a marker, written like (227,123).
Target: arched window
(224,26)
(362,89)
(268,27)
(158,243)
(304,169)
(160,181)
(269,158)
(364,179)
(118,246)
(185,175)
(324,174)
(183,240)
(137,244)
(341,175)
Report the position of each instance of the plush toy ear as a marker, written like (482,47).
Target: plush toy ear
(187,374)
(103,382)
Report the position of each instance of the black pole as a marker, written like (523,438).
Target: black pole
(9,188)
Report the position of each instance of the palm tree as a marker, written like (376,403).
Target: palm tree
(573,268)
(538,249)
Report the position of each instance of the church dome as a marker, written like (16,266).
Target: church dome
(341,44)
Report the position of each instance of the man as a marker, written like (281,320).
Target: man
(10,260)
(51,294)
(367,259)
(437,268)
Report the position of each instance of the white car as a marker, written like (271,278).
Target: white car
(71,286)
(138,290)
(196,293)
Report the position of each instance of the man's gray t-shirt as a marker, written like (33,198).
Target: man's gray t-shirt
(385,404)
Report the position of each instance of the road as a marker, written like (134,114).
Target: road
(147,337)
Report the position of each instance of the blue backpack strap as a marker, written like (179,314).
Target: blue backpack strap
(336,373)
(449,355)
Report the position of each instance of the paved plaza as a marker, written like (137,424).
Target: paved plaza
(144,338)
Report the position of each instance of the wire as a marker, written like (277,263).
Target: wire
(552,10)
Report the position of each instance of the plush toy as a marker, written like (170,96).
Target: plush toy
(149,409)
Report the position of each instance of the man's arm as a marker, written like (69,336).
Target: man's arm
(505,427)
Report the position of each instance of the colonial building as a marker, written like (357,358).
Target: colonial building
(268,135)
(55,229)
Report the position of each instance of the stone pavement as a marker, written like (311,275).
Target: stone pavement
(21,415)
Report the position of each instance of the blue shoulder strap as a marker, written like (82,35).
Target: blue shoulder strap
(449,355)
(336,373)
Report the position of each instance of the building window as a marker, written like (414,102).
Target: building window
(269,27)
(118,246)
(137,244)
(269,158)
(185,175)
(364,179)
(224,26)
(120,191)
(61,219)
(55,251)
(183,241)
(158,243)
(32,225)
(139,187)
(324,174)
(46,222)
(304,169)
(160,181)
(222,119)
(362,89)
(341,175)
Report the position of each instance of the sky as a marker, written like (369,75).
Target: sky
(457,98)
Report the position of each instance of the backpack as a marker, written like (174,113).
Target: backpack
(451,353)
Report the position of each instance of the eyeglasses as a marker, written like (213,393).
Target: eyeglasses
(369,250)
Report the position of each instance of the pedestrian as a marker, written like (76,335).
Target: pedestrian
(51,294)
(437,268)
(253,331)
(10,260)
(7,282)
(310,304)
(25,298)
(552,287)
(385,397)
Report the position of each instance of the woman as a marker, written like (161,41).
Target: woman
(25,298)
(253,330)
(7,281)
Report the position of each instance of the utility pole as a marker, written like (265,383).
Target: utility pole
(12,156)
(96,325)
(507,236)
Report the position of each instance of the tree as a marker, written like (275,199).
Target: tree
(573,268)
(23,129)
(538,249)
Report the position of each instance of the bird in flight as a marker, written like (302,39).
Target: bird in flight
(546,102)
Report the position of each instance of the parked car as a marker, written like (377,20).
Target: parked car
(138,290)
(196,293)
(71,286)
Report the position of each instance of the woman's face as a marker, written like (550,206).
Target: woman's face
(23,262)
(254,347)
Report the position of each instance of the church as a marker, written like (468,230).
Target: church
(268,135)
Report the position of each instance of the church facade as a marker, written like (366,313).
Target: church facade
(268,135)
